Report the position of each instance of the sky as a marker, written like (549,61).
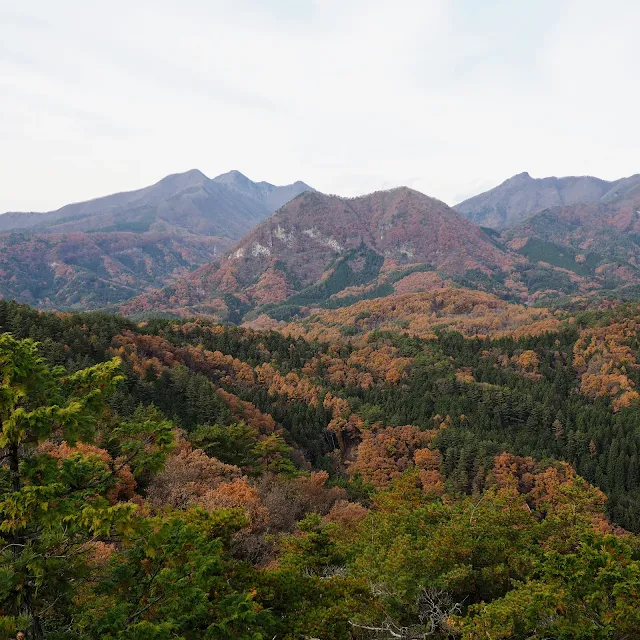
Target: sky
(450,97)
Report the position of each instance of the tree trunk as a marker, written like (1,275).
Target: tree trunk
(14,467)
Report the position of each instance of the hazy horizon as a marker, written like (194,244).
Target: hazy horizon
(257,179)
(450,98)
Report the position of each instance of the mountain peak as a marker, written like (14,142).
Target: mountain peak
(177,181)
(191,174)
(318,246)
(233,177)
(522,196)
(269,194)
(520,177)
(194,173)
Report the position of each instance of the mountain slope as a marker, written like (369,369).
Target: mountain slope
(113,248)
(321,249)
(599,242)
(150,195)
(86,271)
(522,196)
(472,313)
(187,200)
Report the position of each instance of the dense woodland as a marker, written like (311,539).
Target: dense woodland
(182,479)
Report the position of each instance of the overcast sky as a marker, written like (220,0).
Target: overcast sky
(449,97)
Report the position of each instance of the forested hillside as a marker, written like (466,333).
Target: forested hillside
(190,245)
(321,250)
(327,252)
(181,479)
(580,235)
(91,254)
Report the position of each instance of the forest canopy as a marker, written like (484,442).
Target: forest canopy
(182,479)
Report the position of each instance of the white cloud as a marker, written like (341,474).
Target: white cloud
(348,95)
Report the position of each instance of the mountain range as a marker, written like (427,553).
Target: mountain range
(243,251)
(327,250)
(103,251)
(522,196)
(581,234)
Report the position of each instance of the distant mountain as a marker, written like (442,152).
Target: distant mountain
(152,195)
(522,196)
(107,250)
(193,245)
(597,243)
(271,196)
(228,205)
(331,251)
